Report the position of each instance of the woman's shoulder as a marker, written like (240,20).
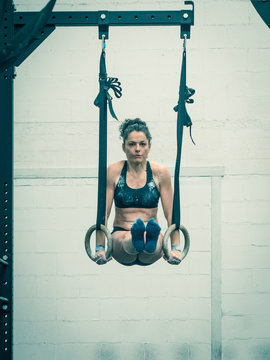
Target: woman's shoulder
(158,169)
(113,173)
(115,168)
(160,173)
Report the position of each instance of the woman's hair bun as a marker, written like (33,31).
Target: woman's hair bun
(129,122)
(130,125)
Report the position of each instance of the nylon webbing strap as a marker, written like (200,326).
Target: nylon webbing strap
(105,84)
(102,164)
(176,214)
(183,119)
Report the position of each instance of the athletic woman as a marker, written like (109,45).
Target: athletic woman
(136,185)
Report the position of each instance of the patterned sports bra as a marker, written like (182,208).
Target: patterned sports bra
(146,197)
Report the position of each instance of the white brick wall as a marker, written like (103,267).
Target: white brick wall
(67,307)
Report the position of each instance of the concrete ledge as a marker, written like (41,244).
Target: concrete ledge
(44,173)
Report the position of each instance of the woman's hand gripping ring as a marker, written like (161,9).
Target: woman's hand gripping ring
(90,253)
(165,242)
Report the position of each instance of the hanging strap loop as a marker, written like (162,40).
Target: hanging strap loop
(114,84)
(101,101)
(106,83)
(183,119)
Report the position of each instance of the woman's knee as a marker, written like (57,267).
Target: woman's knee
(119,252)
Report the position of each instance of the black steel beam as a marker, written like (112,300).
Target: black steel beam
(183,18)
(47,30)
(114,18)
(103,19)
(6,212)
(263,9)
(6,194)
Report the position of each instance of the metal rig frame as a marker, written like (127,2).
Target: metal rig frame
(11,23)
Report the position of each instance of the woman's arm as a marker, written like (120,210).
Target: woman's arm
(166,195)
(100,240)
(100,237)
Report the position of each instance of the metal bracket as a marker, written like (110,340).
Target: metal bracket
(103,24)
(188,17)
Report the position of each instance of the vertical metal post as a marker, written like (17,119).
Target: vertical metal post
(6,194)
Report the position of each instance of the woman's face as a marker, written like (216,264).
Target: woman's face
(136,147)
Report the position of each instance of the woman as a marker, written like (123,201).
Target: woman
(136,185)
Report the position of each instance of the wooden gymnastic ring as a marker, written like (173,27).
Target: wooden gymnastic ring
(88,238)
(166,237)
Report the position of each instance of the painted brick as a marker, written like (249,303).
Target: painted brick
(37,264)
(25,287)
(90,286)
(200,351)
(246,257)
(258,107)
(167,351)
(257,60)
(200,239)
(145,331)
(78,309)
(122,351)
(243,304)
(90,331)
(30,351)
(246,234)
(186,285)
(82,351)
(23,332)
(60,241)
(57,287)
(124,309)
(199,308)
(229,13)
(237,281)
(200,263)
(189,331)
(259,280)
(248,211)
(245,327)
(225,60)
(35,309)
(75,264)
(241,188)
(39,332)
(170,308)
(257,349)
(56,219)
(48,241)
(200,213)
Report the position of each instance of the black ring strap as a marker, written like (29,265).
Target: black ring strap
(104,98)
(183,119)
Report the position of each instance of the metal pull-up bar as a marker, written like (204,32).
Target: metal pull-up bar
(103,19)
